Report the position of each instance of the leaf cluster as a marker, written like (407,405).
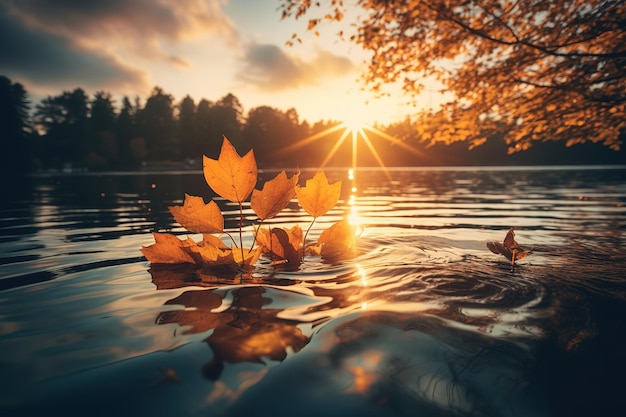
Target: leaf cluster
(234,178)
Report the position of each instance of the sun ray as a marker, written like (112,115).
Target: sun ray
(358,130)
(336,146)
(375,153)
(309,139)
(395,141)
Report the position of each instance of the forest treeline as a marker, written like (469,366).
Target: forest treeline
(73,131)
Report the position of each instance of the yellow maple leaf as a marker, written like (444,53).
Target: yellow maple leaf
(274,196)
(168,249)
(338,240)
(198,217)
(317,197)
(231,176)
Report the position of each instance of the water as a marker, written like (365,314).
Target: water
(425,320)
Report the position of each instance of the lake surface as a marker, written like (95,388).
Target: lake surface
(423,321)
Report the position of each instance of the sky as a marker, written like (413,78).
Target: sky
(202,48)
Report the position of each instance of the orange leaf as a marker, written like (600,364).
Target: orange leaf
(168,249)
(337,240)
(282,243)
(283,248)
(317,197)
(212,253)
(207,254)
(249,256)
(231,176)
(215,241)
(198,217)
(274,196)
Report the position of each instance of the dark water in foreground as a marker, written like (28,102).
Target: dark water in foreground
(425,321)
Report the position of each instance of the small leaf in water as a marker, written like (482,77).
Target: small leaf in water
(509,248)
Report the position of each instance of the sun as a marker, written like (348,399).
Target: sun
(356,117)
(356,120)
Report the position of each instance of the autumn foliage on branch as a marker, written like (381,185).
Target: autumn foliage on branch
(534,70)
(234,178)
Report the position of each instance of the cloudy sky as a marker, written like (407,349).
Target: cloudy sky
(204,48)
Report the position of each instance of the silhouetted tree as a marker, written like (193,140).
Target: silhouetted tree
(269,130)
(533,70)
(14,128)
(131,147)
(206,130)
(157,124)
(64,121)
(228,116)
(103,149)
(187,129)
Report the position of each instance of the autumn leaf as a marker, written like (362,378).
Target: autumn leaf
(509,248)
(246,257)
(231,176)
(215,241)
(212,253)
(207,254)
(274,196)
(282,243)
(336,241)
(168,249)
(198,217)
(317,197)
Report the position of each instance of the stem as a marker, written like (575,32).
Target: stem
(241,231)
(256,233)
(305,235)
(231,238)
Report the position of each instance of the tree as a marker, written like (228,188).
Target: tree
(131,147)
(537,70)
(187,128)
(14,129)
(205,129)
(156,121)
(63,119)
(103,144)
(228,116)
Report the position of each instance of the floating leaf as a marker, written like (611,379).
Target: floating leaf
(207,254)
(338,240)
(274,196)
(246,257)
(168,249)
(282,243)
(198,217)
(509,248)
(231,176)
(214,254)
(215,241)
(317,197)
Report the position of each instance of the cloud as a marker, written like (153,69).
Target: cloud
(44,59)
(138,26)
(269,68)
(92,42)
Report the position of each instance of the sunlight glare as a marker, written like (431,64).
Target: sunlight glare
(356,120)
